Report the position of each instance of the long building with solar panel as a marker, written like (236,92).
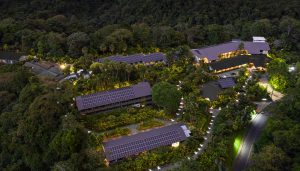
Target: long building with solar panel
(147,59)
(130,145)
(108,100)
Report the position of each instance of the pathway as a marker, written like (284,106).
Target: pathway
(256,128)
(198,151)
(245,150)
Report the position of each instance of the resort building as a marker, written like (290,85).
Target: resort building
(11,57)
(135,95)
(231,49)
(148,59)
(212,89)
(130,145)
(257,61)
(45,69)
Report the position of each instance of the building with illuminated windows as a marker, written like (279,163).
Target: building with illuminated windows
(230,49)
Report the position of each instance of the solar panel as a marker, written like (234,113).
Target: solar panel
(130,145)
(137,58)
(155,57)
(226,82)
(142,89)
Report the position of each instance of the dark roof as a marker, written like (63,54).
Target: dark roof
(136,58)
(11,55)
(257,60)
(134,144)
(210,90)
(212,52)
(113,96)
(226,82)
(46,69)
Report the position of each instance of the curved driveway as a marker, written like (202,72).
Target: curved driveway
(256,128)
(245,150)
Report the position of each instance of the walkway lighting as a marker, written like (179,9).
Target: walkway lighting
(291,69)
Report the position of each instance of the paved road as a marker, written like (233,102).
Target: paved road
(256,128)
(245,150)
(275,95)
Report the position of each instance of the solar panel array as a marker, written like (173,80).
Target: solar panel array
(137,58)
(155,57)
(130,145)
(226,82)
(113,96)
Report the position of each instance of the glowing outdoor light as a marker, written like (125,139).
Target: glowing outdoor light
(158,168)
(199,149)
(188,158)
(292,69)
(220,108)
(205,138)
(237,144)
(62,66)
(209,127)
(201,145)
(177,114)
(172,120)
(207,132)
(196,152)
(264,99)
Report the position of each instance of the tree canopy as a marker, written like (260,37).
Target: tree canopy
(166,95)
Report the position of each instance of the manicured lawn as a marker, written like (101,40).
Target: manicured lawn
(149,124)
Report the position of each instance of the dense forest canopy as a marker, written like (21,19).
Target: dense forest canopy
(41,129)
(152,12)
(76,28)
